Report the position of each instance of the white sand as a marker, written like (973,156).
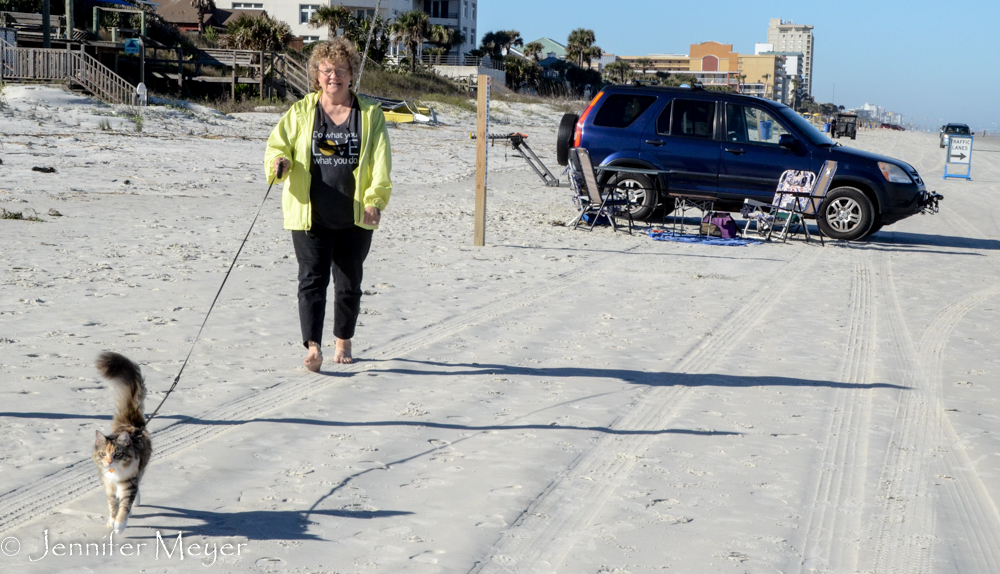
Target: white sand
(559,401)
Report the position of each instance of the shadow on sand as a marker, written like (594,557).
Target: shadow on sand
(251,524)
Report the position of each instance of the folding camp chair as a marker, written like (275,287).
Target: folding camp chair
(591,201)
(799,194)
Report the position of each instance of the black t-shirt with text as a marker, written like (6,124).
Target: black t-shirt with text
(335,151)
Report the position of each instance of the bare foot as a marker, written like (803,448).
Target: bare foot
(314,360)
(343,352)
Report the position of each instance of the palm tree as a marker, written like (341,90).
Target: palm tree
(498,43)
(411,28)
(643,64)
(445,37)
(508,39)
(257,33)
(203,7)
(578,42)
(333,17)
(620,69)
(766,78)
(359,29)
(592,53)
(533,50)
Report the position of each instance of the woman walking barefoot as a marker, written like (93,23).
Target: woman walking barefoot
(333,150)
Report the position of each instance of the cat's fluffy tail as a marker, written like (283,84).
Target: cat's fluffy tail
(127,378)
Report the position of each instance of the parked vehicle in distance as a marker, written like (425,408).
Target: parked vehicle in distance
(845,125)
(731,147)
(953,129)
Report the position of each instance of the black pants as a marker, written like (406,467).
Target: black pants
(322,251)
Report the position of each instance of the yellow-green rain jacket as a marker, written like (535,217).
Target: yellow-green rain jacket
(292,139)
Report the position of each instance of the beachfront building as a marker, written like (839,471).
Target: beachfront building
(764,75)
(459,15)
(550,49)
(791,37)
(669,63)
(714,64)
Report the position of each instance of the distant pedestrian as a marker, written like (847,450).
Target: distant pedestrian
(333,149)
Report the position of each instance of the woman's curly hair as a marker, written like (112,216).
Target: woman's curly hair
(338,51)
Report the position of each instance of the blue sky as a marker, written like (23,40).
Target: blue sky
(932,61)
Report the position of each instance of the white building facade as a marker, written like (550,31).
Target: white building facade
(792,37)
(460,15)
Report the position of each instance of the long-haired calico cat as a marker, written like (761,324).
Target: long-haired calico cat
(121,456)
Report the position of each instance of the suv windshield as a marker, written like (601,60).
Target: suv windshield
(961,130)
(808,130)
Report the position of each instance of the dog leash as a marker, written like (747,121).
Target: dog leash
(281,170)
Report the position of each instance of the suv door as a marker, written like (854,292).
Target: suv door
(682,141)
(752,160)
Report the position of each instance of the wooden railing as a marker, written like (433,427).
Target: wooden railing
(32,63)
(290,73)
(39,64)
(96,78)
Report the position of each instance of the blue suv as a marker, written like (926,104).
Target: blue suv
(731,147)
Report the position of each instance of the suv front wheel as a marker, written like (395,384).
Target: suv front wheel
(846,214)
(640,190)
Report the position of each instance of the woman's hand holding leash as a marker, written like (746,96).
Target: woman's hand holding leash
(281,165)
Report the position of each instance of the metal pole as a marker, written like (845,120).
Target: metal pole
(371,32)
(142,61)
(46,25)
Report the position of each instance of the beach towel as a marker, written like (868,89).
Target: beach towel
(663,235)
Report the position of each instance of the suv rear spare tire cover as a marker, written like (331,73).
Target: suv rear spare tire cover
(564,139)
(846,214)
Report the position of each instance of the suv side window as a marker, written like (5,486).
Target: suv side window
(747,124)
(620,110)
(663,120)
(693,118)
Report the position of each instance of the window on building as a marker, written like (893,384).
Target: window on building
(309,39)
(306,12)
(248,5)
(473,39)
(473,10)
(438,8)
(366,14)
(465,10)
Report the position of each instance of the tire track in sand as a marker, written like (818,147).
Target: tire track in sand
(44,496)
(832,526)
(963,495)
(977,548)
(544,533)
(921,443)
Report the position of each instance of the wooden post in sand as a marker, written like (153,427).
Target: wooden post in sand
(482,163)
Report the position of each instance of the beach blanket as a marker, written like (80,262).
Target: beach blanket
(663,235)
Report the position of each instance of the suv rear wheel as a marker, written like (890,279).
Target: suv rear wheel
(641,193)
(846,214)
(564,139)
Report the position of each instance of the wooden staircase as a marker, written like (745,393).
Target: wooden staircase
(73,67)
(289,77)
